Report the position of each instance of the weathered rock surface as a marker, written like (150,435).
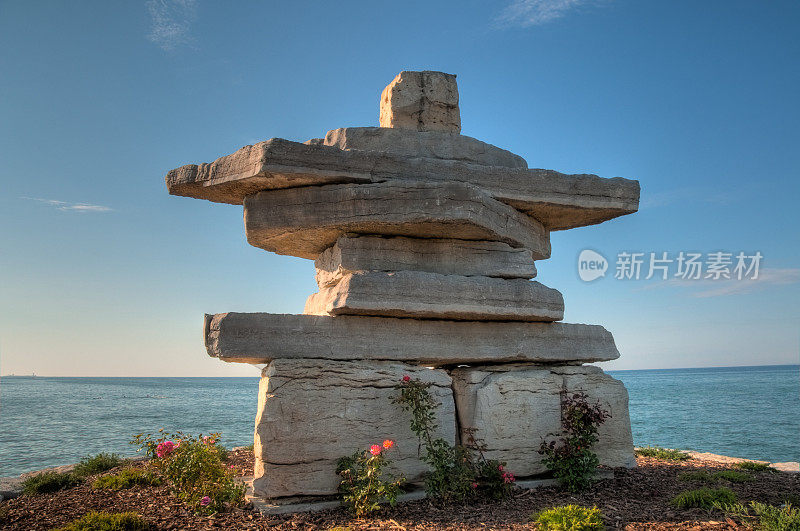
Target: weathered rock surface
(305,221)
(421,144)
(557,200)
(443,256)
(312,412)
(425,295)
(421,101)
(261,337)
(513,407)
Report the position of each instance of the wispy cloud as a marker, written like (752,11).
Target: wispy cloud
(689,195)
(71,207)
(527,13)
(705,288)
(171,22)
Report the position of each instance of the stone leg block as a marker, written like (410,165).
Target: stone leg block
(515,407)
(424,295)
(443,256)
(421,101)
(312,412)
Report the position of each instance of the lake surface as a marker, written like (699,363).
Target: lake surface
(751,412)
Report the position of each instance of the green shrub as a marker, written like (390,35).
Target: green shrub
(98,463)
(569,518)
(764,517)
(195,469)
(752,466)
(704,498)
(103,521)
(126,479)
(363,486)
(733,476)
(571,458)
(456,472)
(663,453)
(47,482)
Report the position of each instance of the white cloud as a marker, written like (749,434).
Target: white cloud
(527,13)
(171,22)
(73,207)
(766,277)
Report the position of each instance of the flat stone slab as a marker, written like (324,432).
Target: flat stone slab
(514,407)
(312,412)
(423,144)
(425,295)
(305,221)
(557,200)
(421,101)
(353,254)
(261,337)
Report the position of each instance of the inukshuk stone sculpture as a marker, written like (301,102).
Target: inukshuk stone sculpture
(424,242)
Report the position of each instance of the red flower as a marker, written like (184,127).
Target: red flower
(474,485)
(388,443)
(375,449)
(406,378)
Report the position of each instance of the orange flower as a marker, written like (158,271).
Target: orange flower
(375,449)
(388,443)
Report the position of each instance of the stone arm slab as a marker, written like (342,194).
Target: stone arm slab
(261,337)
(557,200)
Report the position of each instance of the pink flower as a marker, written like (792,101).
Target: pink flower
(474,485)
(165,448)
(388,443)
(406,378)
(508,477)
(500,468)
(233,466)
(375,449)
(205,500)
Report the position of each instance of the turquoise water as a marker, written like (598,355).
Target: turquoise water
(745,411)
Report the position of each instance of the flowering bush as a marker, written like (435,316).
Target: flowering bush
(195,468)
(459,471)
(363,484)
(571,458)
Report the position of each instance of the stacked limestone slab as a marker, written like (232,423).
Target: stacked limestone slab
(425,244)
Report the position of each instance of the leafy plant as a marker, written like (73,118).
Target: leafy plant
(47,482)
(127,478)
(103,521)
(704,498)
(764,517)
(571,458)
(733,476)
(569,518)
(697,476)
(363,486)
(194,468)
(663,453)
(98,463)
(753,466)
(456,472)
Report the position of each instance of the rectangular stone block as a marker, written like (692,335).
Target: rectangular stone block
(425,295)
(421,101)
(443,256)
(515,407)
(261,337)
(557,200)
(312,412)
(305,221)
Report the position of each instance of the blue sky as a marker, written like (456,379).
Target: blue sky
(103,273)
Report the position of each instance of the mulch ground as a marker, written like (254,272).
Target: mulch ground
(633,499)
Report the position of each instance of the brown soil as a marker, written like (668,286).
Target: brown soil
(634,499)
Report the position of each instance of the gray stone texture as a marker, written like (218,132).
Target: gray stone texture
(312,412)
(305,221)
(421,101)
(261,337)
(427,144)
(425,295)
(557,200)
(444,256)
(515,407)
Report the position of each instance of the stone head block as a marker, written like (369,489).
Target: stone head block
(421,101)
